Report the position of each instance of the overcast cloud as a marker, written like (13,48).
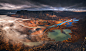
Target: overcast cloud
(27,4)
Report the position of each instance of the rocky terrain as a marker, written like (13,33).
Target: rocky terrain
(48,15)
(77,42)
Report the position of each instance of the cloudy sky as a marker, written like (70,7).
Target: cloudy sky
(43,4)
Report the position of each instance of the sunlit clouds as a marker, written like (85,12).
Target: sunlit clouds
(12,7)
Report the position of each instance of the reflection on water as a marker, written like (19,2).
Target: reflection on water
(56,35)
(69,24)
(32,43)
(75,20)
(59,36)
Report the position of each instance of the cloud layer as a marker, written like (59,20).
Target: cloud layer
(29,4)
